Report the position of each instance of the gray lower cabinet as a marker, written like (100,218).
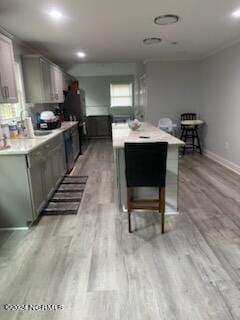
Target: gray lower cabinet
(75,142)
(36,168)
(58,162)
(99,126)
(46,167)
(27,182)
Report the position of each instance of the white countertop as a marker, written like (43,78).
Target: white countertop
(121,133)
(25,145)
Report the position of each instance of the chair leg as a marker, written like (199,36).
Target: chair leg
(183,134)
(193,139)
(129,210)
(162,207)
(198,142)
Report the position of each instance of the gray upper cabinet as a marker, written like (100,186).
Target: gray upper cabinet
(46,79)
(67,81)
(56,76)
(8,88)
(43,80)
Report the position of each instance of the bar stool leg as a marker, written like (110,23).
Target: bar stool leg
(193,138)
(182,133)
(162,207)
(198,142)
(185,139)
(129,209)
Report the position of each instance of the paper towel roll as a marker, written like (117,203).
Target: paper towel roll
(29,127)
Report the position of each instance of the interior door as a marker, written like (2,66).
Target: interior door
(142,97)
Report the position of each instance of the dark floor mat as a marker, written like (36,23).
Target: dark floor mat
(68,196)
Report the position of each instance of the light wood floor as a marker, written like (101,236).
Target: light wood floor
(91,265)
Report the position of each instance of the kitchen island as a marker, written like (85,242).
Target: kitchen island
(121,133)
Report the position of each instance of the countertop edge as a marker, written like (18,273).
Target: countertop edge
(41,141)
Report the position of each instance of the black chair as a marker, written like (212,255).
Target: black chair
(146,167)
(190,133)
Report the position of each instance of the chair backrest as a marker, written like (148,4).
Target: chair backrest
(146,164)
(165,124)
(188,116)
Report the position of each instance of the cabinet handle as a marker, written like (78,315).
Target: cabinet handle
(7,90)
(2,91)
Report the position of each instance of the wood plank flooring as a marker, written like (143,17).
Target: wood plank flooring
(91,265)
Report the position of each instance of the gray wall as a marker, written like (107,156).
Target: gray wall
(221,101)
(104,69)
(173,88)
(98,94)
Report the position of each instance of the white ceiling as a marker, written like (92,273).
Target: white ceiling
(112,31)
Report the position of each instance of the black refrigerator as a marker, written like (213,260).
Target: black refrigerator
(74,108)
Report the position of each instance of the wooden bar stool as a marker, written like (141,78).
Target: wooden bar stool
(146,167)
(189,129)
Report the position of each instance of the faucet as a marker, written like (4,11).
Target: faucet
(22,120)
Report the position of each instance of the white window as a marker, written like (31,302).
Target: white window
(121,94)
(9,111)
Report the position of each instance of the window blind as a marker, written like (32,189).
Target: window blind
(121,94)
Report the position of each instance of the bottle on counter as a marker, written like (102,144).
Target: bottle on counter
(38,119)
(13,129)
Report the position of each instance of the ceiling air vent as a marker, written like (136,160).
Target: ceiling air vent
(152,40)
(166,19)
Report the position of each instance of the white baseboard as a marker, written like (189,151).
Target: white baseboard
(224,162)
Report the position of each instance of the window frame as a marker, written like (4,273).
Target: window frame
(129,83)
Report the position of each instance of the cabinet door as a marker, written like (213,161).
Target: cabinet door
(59,85)
(46,80)
(7,71)
(58,163)
(56,84)
(53,88)
(36,172)
(76,142)
(48,172)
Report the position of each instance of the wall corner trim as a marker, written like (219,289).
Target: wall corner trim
(224,162)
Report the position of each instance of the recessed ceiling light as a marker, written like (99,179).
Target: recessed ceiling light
(152,40)
(55,14)
(81,54)
(166,19)
(236,14)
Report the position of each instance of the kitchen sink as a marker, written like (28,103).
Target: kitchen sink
(41,133)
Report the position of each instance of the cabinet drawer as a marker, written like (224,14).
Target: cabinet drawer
(51,144)
(36,156)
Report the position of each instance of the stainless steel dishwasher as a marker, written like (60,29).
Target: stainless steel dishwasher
(69,150)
